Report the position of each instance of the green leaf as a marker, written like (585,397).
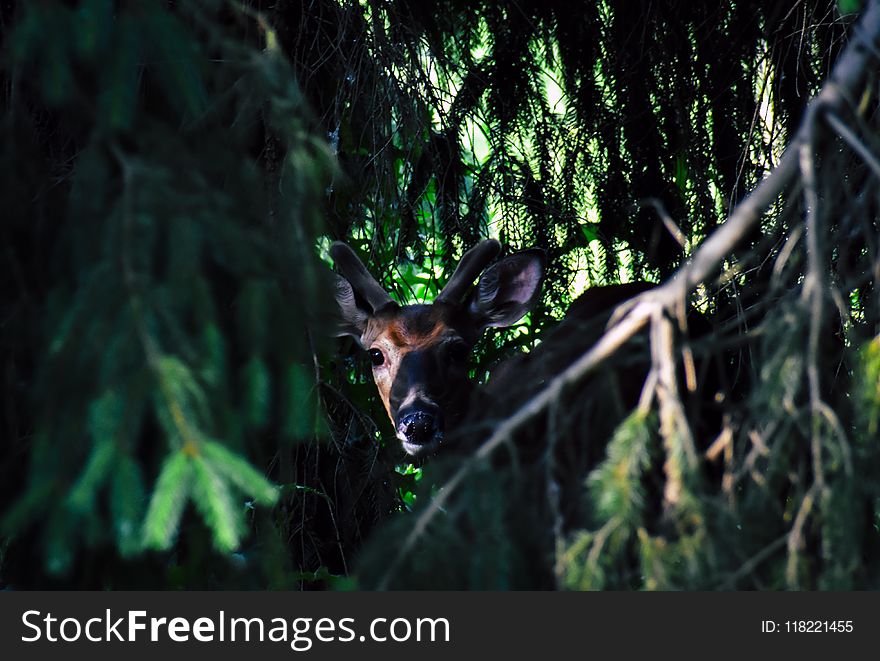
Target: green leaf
(166,505)
(37,499)
(176,65)
(681,174)
(97,470)
(93,24)
(106,416)
(868,387)
(59,544)
(239,473)
(590,231)
(299,403)
(213,352)
(181,402)
(616,485)
(92,291)
(846,7)
(212,498)
(127,505)
(105,419)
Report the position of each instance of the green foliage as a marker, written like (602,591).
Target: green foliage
(846,7)
(170,168)
(624,527)
(211,476)
(212,498)
(182,175)
(239,473)
(300,419)
(615,486)
(408,477)
(168,500)
(868,388)
(127,498)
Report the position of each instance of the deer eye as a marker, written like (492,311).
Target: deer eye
(376,357)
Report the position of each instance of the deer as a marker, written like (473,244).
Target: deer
(419,356)
(419,353)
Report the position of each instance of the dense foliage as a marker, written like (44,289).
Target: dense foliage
(174,414)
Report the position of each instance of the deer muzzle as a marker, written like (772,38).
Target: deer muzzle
(420,429)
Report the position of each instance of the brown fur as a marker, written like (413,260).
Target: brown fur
(397,334)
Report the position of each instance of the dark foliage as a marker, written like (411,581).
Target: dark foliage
(171,171)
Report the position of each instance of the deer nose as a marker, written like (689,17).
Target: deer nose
(420,429)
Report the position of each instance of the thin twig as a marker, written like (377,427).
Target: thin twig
(668,223)
(749,565)
(853,141)
(796,536)
(813,291)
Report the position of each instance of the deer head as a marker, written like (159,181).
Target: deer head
(419,353)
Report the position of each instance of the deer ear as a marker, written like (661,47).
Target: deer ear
(350,318)
(508,289)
